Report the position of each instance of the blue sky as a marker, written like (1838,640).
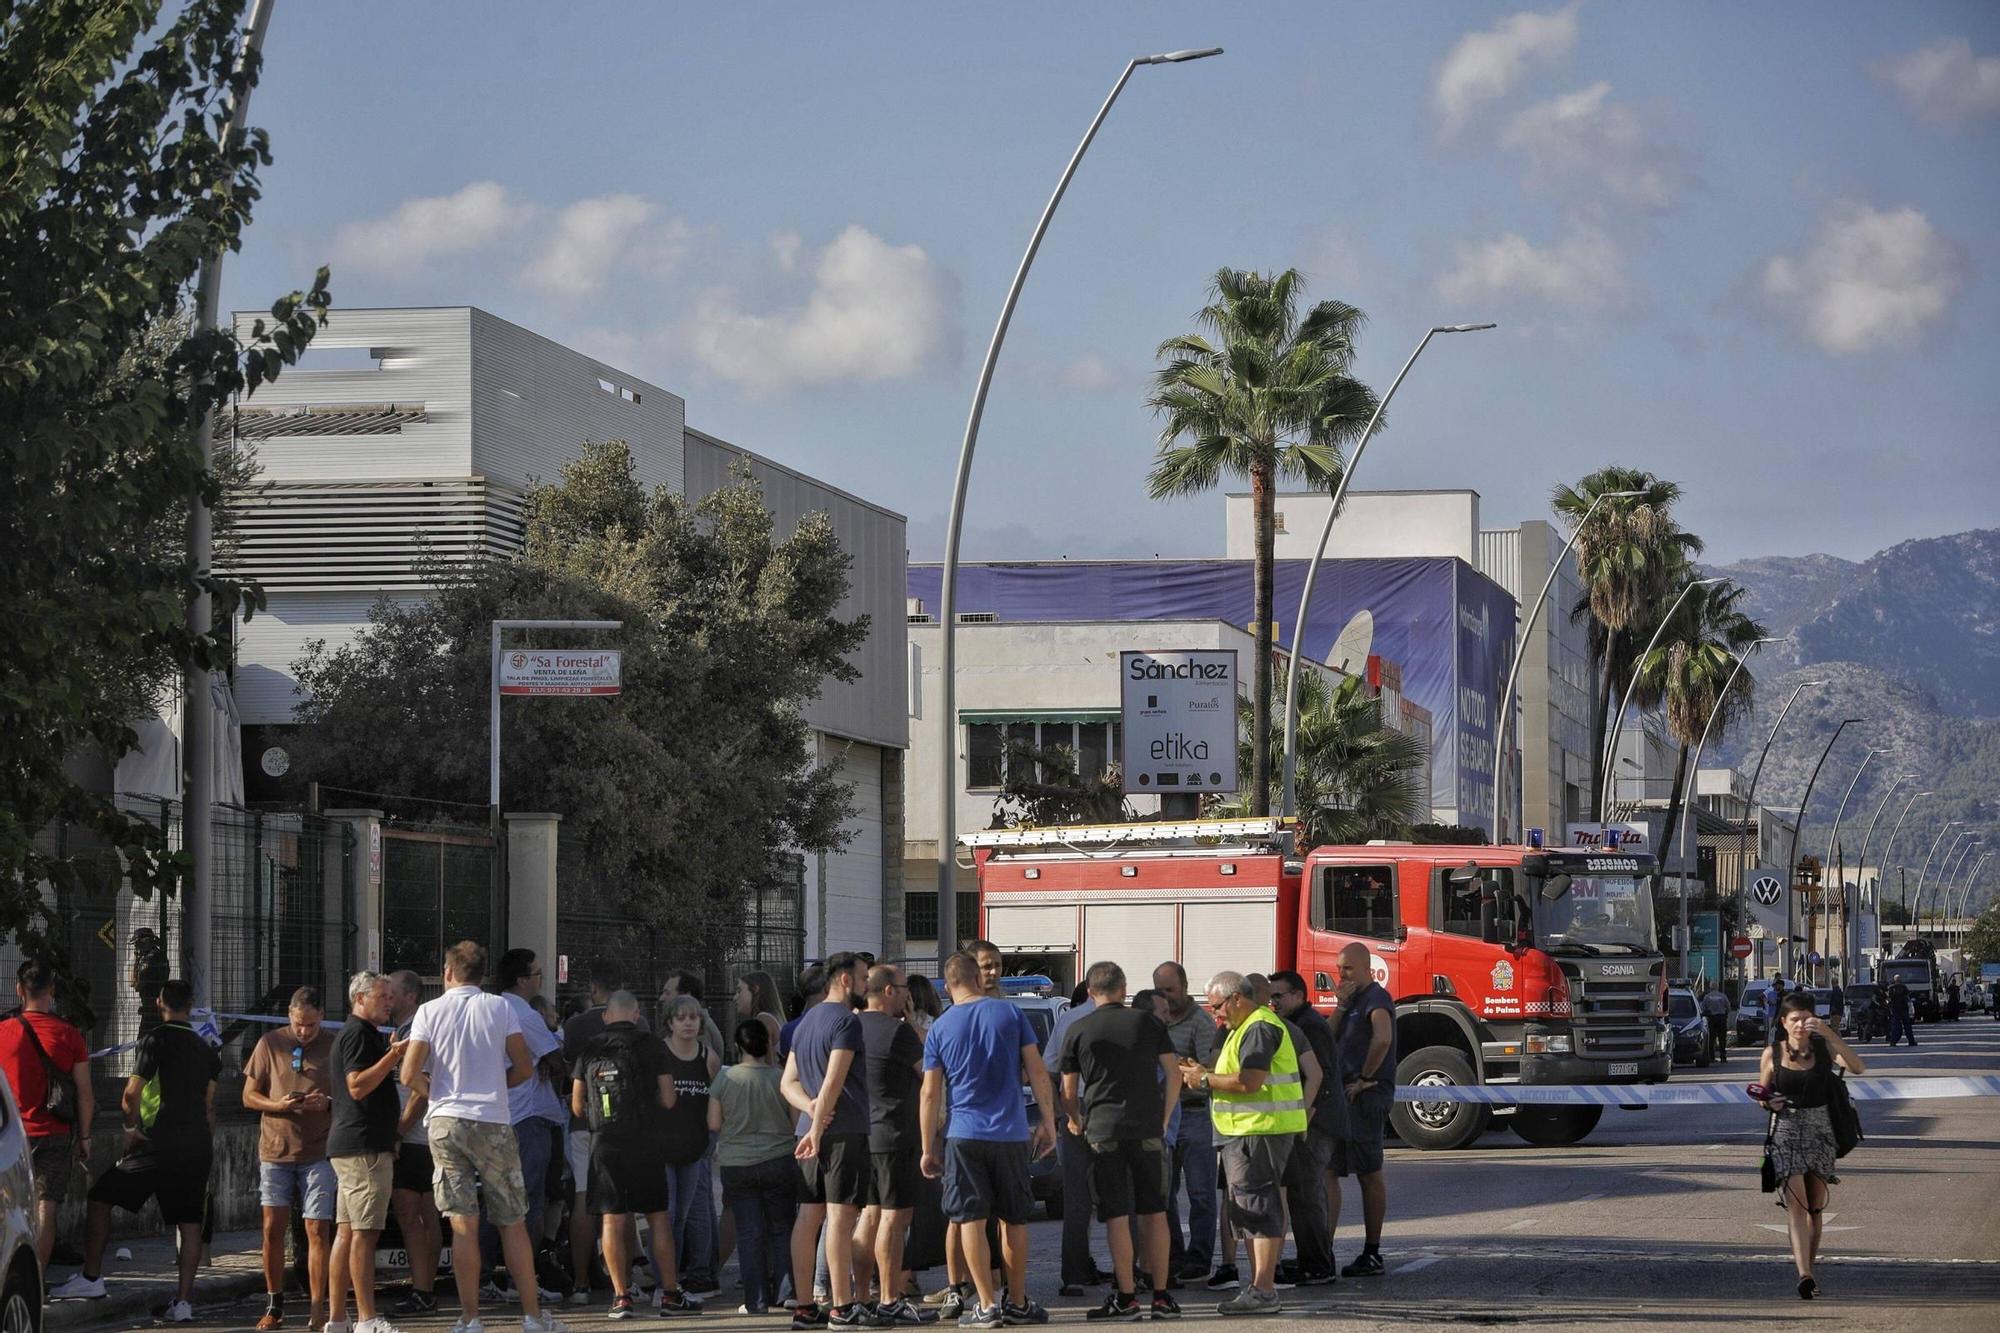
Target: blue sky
(1750,248)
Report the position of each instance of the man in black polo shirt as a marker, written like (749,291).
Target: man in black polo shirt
(362,1145)
(1306,1192)
(1117,1066)
(895,1141)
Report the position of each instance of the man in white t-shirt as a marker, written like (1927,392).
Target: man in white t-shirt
(466,1051)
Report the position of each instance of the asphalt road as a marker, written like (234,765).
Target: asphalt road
(1655,1220)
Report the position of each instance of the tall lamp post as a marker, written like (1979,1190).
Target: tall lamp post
(1832,845)
(1290,797)
(197,705)
(1965,890)
(1694,768)
(1792,853)
(1750,796)
(1504,719)
(1948,867)
(1618,718)
(1853,945)
(1926,872)
(947,597)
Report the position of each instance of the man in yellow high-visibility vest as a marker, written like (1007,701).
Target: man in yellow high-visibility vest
(1258,1107)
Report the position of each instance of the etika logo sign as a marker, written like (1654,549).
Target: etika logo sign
(1767,889)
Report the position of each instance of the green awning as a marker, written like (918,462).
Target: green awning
(970,716)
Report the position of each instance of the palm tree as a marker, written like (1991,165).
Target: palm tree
(1259,393)
(1357,779)
(1631,553)
(1694,660)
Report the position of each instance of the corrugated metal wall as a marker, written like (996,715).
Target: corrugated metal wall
(272,640)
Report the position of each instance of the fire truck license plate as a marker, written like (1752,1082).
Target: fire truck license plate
(1630,1067)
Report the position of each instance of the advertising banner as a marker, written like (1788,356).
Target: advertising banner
(1764,896)
(1179,721)
(1704,959)
(535,671)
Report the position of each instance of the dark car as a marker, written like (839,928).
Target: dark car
(1044,1173)
(1689,1028)
(1866,1017)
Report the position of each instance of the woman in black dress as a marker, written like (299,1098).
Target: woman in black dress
(1798,1071)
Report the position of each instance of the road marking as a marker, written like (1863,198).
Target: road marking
(1783,1229)
(1417,1265)
(1521,1225)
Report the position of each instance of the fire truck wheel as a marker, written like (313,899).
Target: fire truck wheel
(1435,1126)
(1555,1126)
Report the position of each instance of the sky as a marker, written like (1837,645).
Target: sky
(1748,248)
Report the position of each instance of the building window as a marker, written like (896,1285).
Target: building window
(985,758)
(920,914)
(991,747)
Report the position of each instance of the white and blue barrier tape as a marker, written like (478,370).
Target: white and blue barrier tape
(209,1025)
(1689,1094)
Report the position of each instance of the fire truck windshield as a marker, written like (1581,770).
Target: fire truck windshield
(1595,913)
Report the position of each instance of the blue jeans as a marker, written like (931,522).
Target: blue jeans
(691,1213)
(765,1200)
(535,1138)
(1193,1169)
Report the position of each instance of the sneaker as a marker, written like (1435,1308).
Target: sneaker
(700,1286)
(79,1288)
(1224,1279)
(902,1312)
(1286,1277)
(465,1325)
(951,1302)
(747,1308)
(1118,1307)
(375,1325)
(1027,1312)
(490,1293)
(854,1314)
(336,1326)
(1368,1263)
(1165,1306)
(1315,1278)
(1192,1273)
(178,1312)
(543,1323)
(1251,1301)
(621,1307)
(677,1302)
(982,1316)
(810,1314)
(417,1302)
(548,1295)
(1070,1289)
(581,1296)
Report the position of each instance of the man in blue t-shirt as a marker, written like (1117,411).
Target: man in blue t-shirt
(826,1081)
(982,1049)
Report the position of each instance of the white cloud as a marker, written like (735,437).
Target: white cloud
(876,312)
(1586,135)
(1870,278)
(1089,373)
(1584,271)
(1484,65)
(1944,82)
(594,236)
(423,229)
(786,245)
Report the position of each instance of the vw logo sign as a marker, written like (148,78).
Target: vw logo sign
(1767,889)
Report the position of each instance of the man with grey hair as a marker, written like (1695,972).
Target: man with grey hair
(1258,1109)
(362,1147)
(411,1198)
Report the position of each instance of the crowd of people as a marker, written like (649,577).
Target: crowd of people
(876,1133)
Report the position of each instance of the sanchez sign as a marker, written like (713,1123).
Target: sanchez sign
(1179,716)
(558,671)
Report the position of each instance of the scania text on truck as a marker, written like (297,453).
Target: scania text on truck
(1507,964)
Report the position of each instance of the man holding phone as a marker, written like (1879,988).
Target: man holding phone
(288,1079)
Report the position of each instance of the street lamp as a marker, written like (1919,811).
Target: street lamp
(1792,854)
(1832,843)
(1694,769)
(1618,718)
(1290,797)
(1946,867)
(1965,890)
(947,597)
(1861,869)
(1504,719)
(1926,872)
(1750,797)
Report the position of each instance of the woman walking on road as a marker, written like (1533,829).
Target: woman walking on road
(1798,1071)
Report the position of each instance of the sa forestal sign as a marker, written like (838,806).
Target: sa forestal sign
(534,671)
(1179,716)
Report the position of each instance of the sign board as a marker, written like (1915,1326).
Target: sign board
(1764,897)
(1178,712)
(1741,947)
(1704,945)
(1632,839)
(540,671)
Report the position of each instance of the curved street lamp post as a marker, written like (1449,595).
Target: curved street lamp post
(1618,718)
(1954,858)
(1861,870)
(1750,796)
(1290,796)
(1965,890)
(1792,853)
(1926,872)
(1832,844)
(947,721)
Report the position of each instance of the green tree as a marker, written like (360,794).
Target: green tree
(1262,394)
(1357,779)
(1982,942)
(675,793)
(1629,554)
(118,183)
(1047,786)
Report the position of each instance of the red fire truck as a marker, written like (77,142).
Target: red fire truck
(1508,964)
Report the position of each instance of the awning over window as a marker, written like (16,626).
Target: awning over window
(972,716)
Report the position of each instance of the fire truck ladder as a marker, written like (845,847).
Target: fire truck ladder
(1265,830)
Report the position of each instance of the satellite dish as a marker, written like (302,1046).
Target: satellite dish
(1350,650)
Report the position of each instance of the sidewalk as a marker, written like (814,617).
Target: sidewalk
(147,1279)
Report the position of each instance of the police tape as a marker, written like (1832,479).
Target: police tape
(1688,1094)
(206,1023)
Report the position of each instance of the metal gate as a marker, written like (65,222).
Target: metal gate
(437,889)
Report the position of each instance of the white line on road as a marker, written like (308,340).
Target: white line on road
(1416,1265)
(1589,1198)
(1521,1225)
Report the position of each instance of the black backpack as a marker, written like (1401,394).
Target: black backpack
(615,1087)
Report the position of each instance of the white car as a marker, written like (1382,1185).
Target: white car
(21,1293)
(1750,1012)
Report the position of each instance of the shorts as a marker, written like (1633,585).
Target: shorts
(365,1181)
(1253,1167)
(1359,1151)
(576,1151)
(53,1155)
(308,1186)
(181,1187)
(896,1180)
(625,1178)
(1128,1178)
(475,1156)
(840,1173)
(414,1168)
(987,1178)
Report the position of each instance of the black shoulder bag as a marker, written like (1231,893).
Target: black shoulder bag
(1840,1110)
(1767,1170)
(59,1098)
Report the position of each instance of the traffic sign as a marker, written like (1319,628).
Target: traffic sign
(1740,947)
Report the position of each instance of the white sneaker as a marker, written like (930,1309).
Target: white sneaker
(375,1325)
(178,1312)
(468,1326)
(336,1326)
(544,1323)
(79,1288)
(581,1296)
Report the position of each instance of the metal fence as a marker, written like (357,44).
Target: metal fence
(437,889)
